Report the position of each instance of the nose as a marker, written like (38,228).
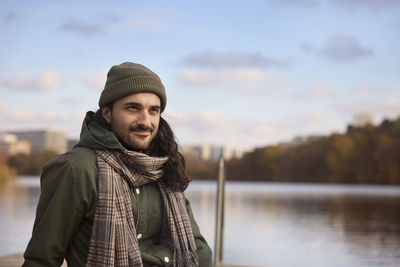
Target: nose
(144,119)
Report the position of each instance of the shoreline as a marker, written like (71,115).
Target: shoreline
(12,260)
(16,260)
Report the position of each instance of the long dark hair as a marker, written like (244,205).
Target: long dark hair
(163,144)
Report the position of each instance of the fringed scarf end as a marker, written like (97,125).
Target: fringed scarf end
(186,259)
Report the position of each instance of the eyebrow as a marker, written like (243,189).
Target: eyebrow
(132,104)
(136,104)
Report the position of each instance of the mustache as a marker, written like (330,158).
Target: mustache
(141,128)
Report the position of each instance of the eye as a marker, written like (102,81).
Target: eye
(132,107)
(155,110)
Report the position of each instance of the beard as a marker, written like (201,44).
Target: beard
(129,139)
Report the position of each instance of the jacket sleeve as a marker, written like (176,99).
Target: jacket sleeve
(58,215)
(203,250)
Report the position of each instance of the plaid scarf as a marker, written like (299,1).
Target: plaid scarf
(114,241)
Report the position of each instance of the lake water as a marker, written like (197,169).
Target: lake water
(266,224)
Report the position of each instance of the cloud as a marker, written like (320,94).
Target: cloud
(297,3)
(261,129)
(144,24)
(199,78)
(17,118)
(393,102)
(82,27)
(24,115)
(382,108)
(214,78)
(233,60)
(316,116)
(90,29)
(307,47)
(18,82)
(205,127)
(235,71)
(345,48)
(249,80)
(150,20)
(214,120)
(321,90)
(26,118)
(250,75)
(10,17)
(369,88)
(340,48)
(48,80)
(213,127)
(173,115)
(314,94)
(95,80)
(366,3)
(204,122)
(366,87)
(3,108)
(43,82)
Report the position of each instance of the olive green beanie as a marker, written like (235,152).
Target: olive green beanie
(131,78)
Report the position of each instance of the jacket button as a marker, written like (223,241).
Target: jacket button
(139,236)
(166,259)
(137,191)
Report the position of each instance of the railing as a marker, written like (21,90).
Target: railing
(219,224)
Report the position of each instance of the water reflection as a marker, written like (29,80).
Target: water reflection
(309,225)
(18,200)
(277,225)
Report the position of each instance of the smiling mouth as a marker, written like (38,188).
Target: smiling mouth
(141,131)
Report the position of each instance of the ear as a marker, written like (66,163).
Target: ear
(106,113)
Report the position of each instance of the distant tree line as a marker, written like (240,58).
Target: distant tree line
(363,155)
(369,154)
(29,164)
(200,169)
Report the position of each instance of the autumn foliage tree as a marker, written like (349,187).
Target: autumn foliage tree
(363,155)
(30,164)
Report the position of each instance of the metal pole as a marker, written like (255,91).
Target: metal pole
(219,227)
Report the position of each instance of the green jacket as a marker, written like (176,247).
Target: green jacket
(65,212)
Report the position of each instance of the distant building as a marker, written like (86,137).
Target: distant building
(197,152)
(216,153)
(44,140)
(301,140)
(212,153)
(231,152)
(11,145)
(362,119)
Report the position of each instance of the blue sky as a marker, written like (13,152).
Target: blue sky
(237,73)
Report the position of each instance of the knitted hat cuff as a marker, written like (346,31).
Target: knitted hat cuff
(133,85)
(131,78)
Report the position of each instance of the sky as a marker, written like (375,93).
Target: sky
(237,73)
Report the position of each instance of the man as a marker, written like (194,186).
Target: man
(116,199)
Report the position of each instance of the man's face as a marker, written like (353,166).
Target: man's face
(134,119)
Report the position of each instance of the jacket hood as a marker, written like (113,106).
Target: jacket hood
(94,136)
